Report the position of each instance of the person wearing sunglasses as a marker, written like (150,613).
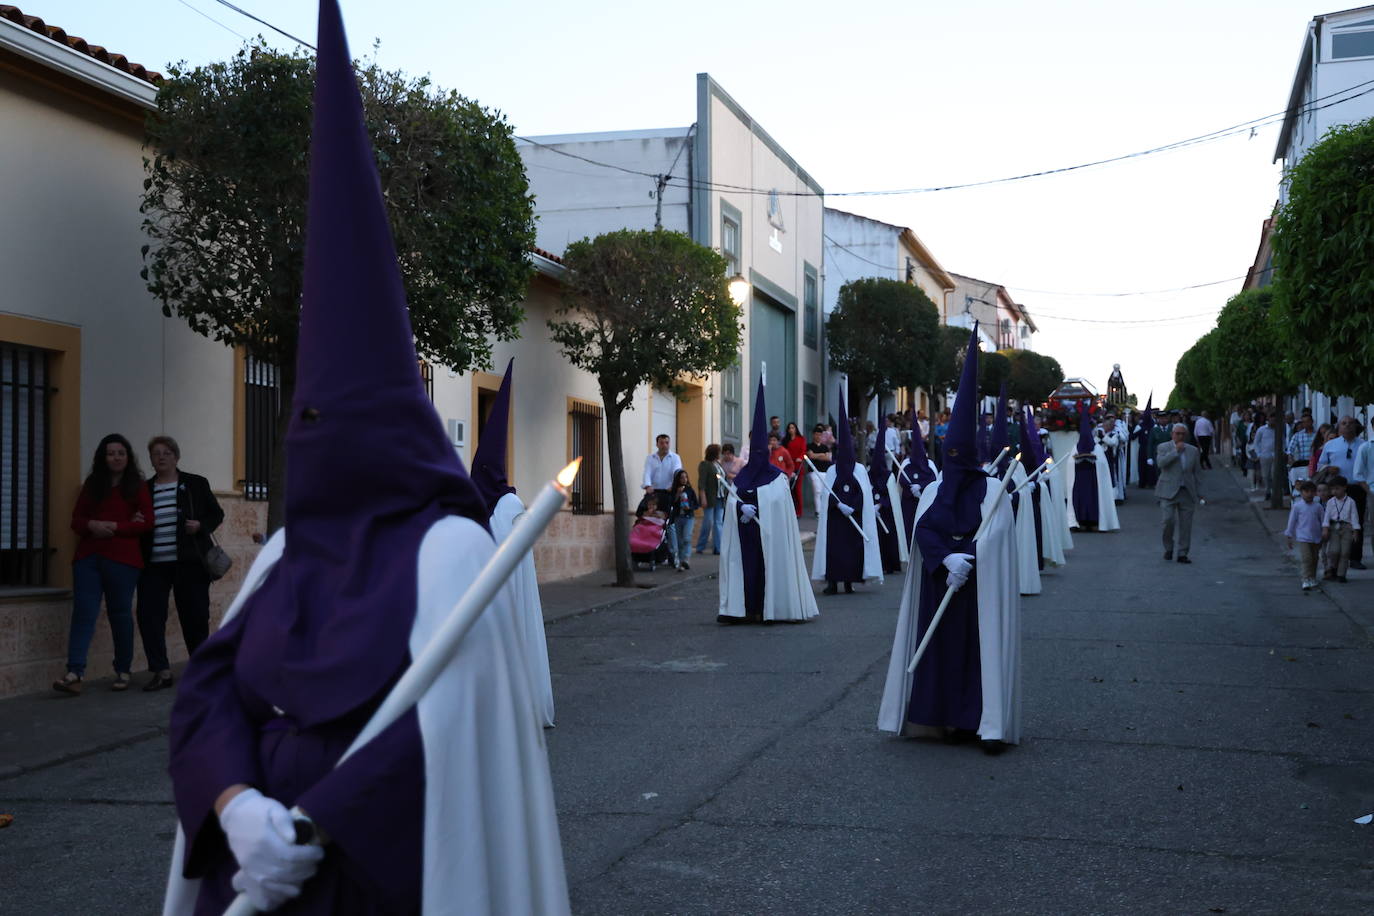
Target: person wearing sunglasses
(1342,452)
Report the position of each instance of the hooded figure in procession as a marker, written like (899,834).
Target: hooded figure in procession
(916,473)
(1111,437)
(888,511)
(1146,445)
(842,554)
(762,569)
(451,808)
(1093,502)
(967,685)
(1028,571)
(1050,510)
(506,508)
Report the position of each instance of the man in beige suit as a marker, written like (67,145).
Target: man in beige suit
(1178,490)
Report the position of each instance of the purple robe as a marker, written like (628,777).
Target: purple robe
(224,732)
(844,547)
(947,687)
(1085,492)
(887,536)
(751,557)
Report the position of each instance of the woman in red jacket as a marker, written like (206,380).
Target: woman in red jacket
(795,443)
(111,514)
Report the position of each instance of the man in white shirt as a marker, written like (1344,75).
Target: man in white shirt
(1203,431)
(1342,453)
(660,466)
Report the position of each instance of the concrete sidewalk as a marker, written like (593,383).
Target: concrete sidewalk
(43,729)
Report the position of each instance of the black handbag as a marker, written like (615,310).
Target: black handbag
(215,560)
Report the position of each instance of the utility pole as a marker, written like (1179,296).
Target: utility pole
(661,182)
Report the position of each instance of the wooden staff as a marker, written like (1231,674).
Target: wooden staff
(829,492)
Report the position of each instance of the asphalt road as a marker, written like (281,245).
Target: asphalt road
(1197,740)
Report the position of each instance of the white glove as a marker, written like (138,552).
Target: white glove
(959,566)
(748,512)
(915,489)
(847,510)
(1150,462)
(262,837)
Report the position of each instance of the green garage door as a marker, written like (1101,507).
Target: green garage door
(773,340)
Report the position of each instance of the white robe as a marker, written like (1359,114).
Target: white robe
(1065,447)
(873,554)
(491,843)
(1116,439)
(999,630)
(787,594)
(1053,527)
(1027,554)
(894,495)
(1107,519)
(524,583)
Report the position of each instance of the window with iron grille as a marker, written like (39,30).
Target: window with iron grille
(261,401)
(427,376)
(24,389)
(584,439)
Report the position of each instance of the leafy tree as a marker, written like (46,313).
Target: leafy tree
(225,198)
(1033,376)
(643,307)
(1195,383)
(883,334)
(1324,276)
(993,370)
(950,345)
(1251,359)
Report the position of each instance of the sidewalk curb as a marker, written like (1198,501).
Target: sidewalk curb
(1359,616)
(147,734)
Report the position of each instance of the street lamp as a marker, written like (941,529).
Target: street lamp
(739,289)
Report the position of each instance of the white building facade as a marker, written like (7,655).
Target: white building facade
(730,186)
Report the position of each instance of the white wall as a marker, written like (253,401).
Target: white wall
(70,230)
(574,199)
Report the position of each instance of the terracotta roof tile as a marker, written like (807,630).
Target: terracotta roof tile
(547,254)
(56,33)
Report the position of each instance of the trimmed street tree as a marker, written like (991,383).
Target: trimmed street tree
(950,345)
(884,335)
(1324,276)
(993,370)
(643,307)
(224,210)
(1034,376)
(1250,360)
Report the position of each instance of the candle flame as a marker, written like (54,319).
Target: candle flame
(566,476)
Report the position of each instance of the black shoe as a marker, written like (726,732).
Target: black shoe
(686,565)
(1184,560)
(1342,579)
(1356,564)
(830,590)
(158,682)
(1330,574)
(993,748)
(1168,554)
(848,589)
(960,736)
(726,620)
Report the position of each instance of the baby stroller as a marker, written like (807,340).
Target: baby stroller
(649,542)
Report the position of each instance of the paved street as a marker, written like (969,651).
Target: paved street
(1197,740)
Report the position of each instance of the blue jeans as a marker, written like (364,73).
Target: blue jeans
(680,537)
(712,517)
(94,577)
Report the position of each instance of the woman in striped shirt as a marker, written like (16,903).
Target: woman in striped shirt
(185,512)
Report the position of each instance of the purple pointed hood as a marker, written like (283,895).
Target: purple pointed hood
(1000,439)
(1032,447)
(489,460)
(879,469)
(1147,422)
(958,503)
(759,471)
(916,457)
(369,468)
(1085,429)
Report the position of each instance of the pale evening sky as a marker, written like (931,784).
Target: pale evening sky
(870,96)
